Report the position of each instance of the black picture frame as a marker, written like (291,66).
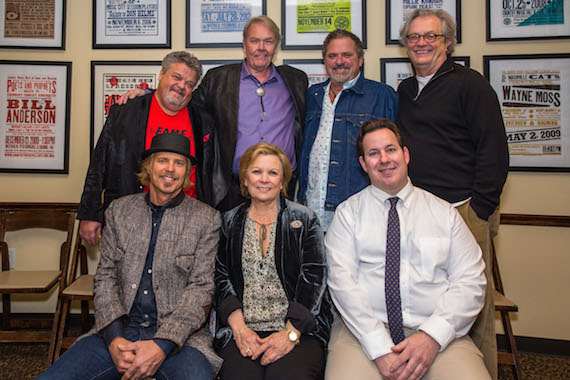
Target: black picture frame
(535,108)
(159,39)
(539,28)
(220,39)
(393,26)
(315,42)
(39,142)
(55,43)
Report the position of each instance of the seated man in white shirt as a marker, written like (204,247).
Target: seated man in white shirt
(419,246)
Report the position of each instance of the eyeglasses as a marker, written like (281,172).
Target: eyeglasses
(428,37)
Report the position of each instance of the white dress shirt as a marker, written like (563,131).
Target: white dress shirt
(442,284)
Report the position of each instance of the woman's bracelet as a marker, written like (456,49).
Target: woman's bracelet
(240,331)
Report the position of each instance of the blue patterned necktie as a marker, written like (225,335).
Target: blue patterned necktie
(392,279)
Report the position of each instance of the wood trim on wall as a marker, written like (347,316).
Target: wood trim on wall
(536,220)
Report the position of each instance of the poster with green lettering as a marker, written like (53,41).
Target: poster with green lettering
(318,16)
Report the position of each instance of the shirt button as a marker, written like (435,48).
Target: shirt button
(134,286)
(154,224)
(156,287)
(149,271)
(145,292)
(146,316)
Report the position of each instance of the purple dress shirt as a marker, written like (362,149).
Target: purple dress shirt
(275,125)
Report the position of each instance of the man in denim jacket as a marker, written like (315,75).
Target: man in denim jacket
(329,171)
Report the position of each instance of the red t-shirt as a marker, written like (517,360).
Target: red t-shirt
(160,122)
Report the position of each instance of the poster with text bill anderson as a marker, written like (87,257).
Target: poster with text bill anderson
(34,116)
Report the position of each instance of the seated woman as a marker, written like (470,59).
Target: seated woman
(270,278)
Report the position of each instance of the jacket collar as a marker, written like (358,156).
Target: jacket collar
(281,206)
(172,203)
(447,67)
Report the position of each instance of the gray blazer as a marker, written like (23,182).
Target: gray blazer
(182,270)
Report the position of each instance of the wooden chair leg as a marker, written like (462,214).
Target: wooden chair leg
(6,312)
(512,345)
(61,329)
(84,316)
(54,330)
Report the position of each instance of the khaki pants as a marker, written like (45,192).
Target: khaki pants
(346,360)
(483,331)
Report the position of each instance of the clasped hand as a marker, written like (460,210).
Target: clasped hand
(271,348)
(136,360)
(410,359)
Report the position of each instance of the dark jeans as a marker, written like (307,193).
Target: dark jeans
(90,359)
(305,362)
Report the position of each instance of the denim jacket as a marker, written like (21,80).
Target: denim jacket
(366,100)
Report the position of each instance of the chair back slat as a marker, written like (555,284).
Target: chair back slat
(21,216)
(52,219)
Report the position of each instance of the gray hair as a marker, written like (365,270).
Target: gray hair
(182,57)
(265,21)
(448,27)
(340,33)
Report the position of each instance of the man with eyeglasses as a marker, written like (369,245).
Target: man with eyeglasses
(452,122)
(329,171)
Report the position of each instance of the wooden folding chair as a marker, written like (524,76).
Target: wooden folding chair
(76,288)
(22,216)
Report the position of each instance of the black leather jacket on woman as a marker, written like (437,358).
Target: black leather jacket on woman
(301,264)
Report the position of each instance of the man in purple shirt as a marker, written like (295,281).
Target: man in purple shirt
(241,104)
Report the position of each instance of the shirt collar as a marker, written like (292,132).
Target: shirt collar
(405,194)
(351,82)
(245,73)
(172,203)
(345,86)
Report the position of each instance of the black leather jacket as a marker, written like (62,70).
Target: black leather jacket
(117,157)
(300,259)
(215,106)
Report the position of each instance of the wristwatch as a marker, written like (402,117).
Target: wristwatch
(293,337)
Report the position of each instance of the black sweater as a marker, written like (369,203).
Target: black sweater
(455,133)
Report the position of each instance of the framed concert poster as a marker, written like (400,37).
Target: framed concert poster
(112,79)
(215,23)
(34,116)
(306,23)
(534,93)
(397,12)
(38,24)
(131,24)
(527,20)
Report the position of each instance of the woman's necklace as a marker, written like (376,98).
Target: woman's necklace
(262,235)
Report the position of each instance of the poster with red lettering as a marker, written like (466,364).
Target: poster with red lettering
(112,79)
(34,116)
